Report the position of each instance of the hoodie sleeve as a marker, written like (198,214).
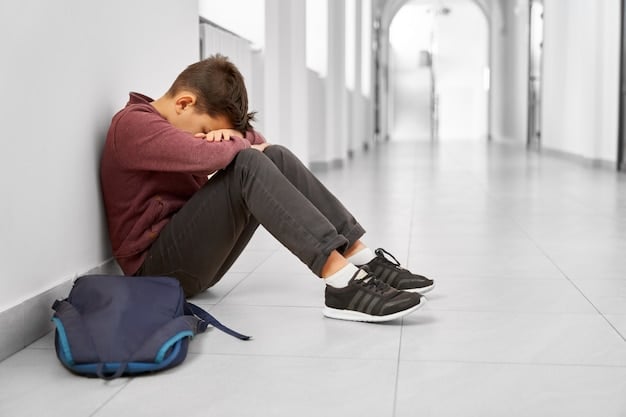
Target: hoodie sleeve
(146,141)
(254,137)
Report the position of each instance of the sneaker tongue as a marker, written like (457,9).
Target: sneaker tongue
(362,274)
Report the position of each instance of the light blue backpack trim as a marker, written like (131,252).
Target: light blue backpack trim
(65,345)
(136,367)
(161,353)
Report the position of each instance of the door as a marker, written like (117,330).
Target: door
(535,53)
(621,145)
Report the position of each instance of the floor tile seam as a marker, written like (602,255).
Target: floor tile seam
(511,363)
(391,360)
(434,311)
(543,313)
(39,348)
(482,253)
(503,278)
(459,233)
(468,237)
(244,279)
(528,313)
(457,310)
(298,274)
(397,371)
(220,299)
(476,178)
(620,279)
(108,400)
(507,214)
(584,202)
(573,283)
(311,307)
(623,336)
(537,244)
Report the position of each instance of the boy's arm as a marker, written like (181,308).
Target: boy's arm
(144,141)
(254,137)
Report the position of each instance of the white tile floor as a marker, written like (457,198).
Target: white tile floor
(528,319)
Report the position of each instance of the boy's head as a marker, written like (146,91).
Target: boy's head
(219,89)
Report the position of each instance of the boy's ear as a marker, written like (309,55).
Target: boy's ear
(184,101)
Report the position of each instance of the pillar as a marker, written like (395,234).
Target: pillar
(285,76)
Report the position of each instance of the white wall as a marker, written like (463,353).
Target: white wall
(580,75)
(581,78)
(67,66)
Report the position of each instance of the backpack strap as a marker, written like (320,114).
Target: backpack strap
(156,347)
(100,371)
(207,319)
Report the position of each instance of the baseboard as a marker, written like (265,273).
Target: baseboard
(557,153)
(583,160)
(26,322)
(323,166)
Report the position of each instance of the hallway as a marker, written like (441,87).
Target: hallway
(528,317)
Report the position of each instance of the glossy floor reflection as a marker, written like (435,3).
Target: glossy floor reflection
(528,317)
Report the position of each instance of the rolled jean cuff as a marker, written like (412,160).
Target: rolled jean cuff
(353,235)
(339,243)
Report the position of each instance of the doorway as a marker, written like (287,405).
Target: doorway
(438,72)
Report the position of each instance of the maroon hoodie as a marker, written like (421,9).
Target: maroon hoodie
(149,169)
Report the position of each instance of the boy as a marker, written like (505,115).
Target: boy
(166,217)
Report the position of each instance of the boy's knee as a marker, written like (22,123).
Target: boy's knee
(273,149)
(249,158)
(277,152)
(252,159)
(247,154)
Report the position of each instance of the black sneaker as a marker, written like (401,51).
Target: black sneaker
(390,272)
(368,299)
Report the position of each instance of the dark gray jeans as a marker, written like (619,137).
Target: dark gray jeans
(272,188)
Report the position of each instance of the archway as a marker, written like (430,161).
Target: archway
(434,79)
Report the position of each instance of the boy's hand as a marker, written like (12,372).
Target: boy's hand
(218,135)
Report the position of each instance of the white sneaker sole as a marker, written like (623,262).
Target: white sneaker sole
(351,315)
(421,290)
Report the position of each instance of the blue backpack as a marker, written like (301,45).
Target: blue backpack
(111,326)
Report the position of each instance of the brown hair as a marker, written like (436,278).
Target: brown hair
(220,90)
